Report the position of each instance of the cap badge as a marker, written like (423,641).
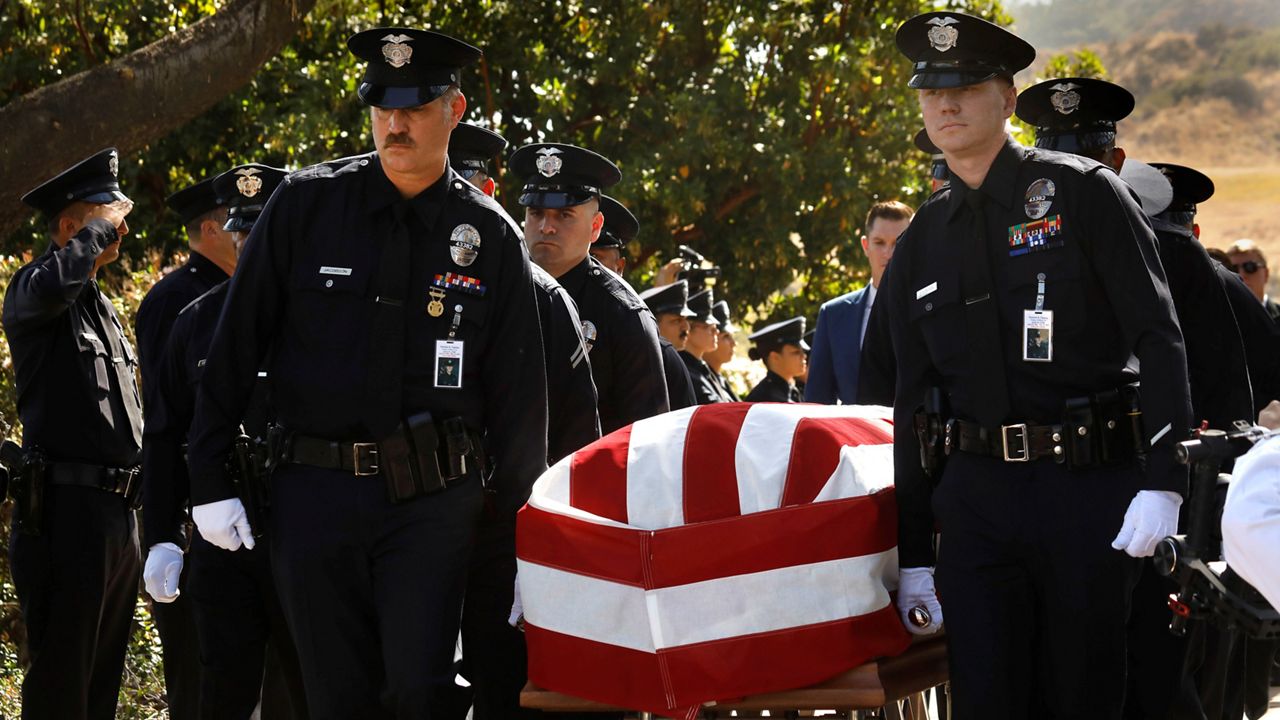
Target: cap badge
(1039,198)
(249,184)
(395,51)
(1066,99)
(113,165)
(942,36)
(465,244)
(548,164)
(589,334)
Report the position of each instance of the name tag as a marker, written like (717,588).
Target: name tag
(927,290)
(327,270)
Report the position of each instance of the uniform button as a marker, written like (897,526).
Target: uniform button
(928,307)
(457,185)
(1057,449)
(1057,437)
(1082,431)
(363,163)
(595,272)
(328,283)
(1111,424)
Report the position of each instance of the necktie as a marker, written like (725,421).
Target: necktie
(386,356)
(991,392)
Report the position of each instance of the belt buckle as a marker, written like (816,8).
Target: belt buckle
(1021,429)
(364,450)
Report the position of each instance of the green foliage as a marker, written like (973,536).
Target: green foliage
(1081,63)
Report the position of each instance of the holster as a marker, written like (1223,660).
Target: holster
(27,476)
(409,461)
(249,473)
(929,423)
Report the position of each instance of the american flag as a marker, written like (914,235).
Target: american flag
(712,553)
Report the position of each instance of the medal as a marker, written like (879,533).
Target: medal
(435,308)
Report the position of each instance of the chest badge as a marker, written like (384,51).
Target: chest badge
(1039,198)
(465,244)
(589,334)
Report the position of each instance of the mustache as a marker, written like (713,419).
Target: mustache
(398,139)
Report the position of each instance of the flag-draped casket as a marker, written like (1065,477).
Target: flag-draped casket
(711,553)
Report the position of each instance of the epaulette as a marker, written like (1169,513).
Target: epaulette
(1078,163)
(615,286)
(329,169)
(216,289)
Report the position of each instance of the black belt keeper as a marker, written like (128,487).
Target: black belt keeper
(121,481)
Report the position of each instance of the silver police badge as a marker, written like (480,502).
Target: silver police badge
(1039,198)
(249,184)
(942,36)
(589,334)
(395,51)
(1065,100)
(548,163)
(465,242)
(113,165)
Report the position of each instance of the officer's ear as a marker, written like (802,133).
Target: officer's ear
(458,103)
(1195,230)
(1117,159)
(622,264)
(67,222)
(597,224)
(488,187)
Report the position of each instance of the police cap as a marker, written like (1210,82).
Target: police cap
(246,189)
(1074,115)
(1190,186)
(559,176)
(194,200)
(408,67)
(670,299)
(93,180)
(774,337)
(700,304)
(953,50)
(1153,189)
(723,318)
(471,147)
(620,226)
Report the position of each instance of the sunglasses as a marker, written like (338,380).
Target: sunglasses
(1249,267)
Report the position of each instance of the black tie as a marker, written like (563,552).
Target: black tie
(991,396)
(386,344)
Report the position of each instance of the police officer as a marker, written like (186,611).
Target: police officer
(725,345)
(620,228)
(704,338)
(670,305)
(211,261)
(782,348)
(73,544)
(240,624)
(493,652)
(1043,467)
(561,198)
(939,175)
(393,306)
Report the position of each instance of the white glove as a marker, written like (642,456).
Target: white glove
(1152,516)
(516,618)
(164,566)
(224,524)
(918,604)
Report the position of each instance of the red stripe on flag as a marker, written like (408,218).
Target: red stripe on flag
(815,452)
(598,476)
(598,551)
(710,473)
(774,539)
(712,671)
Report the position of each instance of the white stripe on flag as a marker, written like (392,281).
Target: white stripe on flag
(551,493)
(655,471)
(863,470)
(711,610)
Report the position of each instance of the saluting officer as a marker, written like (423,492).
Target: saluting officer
(73,543)
(1052,451)
(704,338)
(670,305)
(620,228)
(725,345)
(785,354)
(493,652)
(561,198)
(394,308)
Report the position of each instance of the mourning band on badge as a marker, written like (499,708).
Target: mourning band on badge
(449,364)
(1039,198)
(464,244)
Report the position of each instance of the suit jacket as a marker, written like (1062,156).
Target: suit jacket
(837,350)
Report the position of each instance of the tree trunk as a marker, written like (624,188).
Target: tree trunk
(136,99)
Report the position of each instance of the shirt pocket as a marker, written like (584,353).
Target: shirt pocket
(938,315)
(331,304)
(1064,291)
(94,354)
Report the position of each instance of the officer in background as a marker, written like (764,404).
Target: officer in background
(73,543)
(939,175)
(620,228)
(211,261)
(1079,116)
(782,348)
(670,305)
(704,338)
(493,652)
(561,198)
(241,627)
(394,308)
(1060,471)
(725,345)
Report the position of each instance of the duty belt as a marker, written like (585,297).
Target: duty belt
(1021,442)
(121,481)
(358,458)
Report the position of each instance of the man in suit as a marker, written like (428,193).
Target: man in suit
(842,322)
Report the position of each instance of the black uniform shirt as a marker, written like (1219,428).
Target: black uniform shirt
(774,389)
(75,371)
(1260,335)
(1103,282)
(679,383)
(304,292)
(571,394)
(626,360)
(706,384)
(197,276)
(726,388)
